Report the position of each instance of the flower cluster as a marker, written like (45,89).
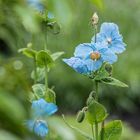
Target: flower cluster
(40,110)
(104,47)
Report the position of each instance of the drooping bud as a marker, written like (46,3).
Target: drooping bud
(80,116)
(95,19)
(95,55)
(109,68)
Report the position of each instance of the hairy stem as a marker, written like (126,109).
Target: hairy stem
(46,69)
(96,98)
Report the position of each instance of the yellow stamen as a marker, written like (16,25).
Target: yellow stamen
(95,55)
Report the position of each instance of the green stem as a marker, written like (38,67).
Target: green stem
(46,69)
(102,130)
(96,86)
(35,70)
(92,131)
(96,98)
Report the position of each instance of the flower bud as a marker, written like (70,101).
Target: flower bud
(95,19)
(80,116)
(109,68)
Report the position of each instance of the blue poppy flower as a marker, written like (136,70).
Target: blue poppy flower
(109,33)
(42,108)
(39,127)
(89,57)
(36,4)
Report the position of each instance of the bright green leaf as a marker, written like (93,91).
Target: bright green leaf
(96,112)
(44,59)
(56,55)
(28,52)
(113,130)
(113,81)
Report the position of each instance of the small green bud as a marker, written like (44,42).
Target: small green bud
(80,116)
(109,68)
(29,45)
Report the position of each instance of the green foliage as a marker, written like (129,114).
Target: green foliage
(113,130)
(96,112)
(28,52)
(56,55)
(50,96)
(113,81)
(44,59)
(38,75)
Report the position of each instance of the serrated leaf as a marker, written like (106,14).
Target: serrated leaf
(28,52)
(40,74)
(113,81)
(113,130)
(56,55)
(39,90)
(43,59)
(96,112)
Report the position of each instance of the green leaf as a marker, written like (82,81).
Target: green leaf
(113,81)
(96,112)
(77,130)
(39,90)
(50,96)
(28,52)
(40,74)
(53,27)
(56,55)
(44,59)
(113,130)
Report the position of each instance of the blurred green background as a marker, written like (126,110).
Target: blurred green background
(19,25)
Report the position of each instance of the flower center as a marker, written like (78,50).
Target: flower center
(95,55)
(109,40)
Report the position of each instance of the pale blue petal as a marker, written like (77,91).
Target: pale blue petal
(109,56)
(77,64)
(117,47)
(30,124)
(41,128)
(36,4)
(50,108)
(41,107)
(93,65)
(109,28)
(83,50)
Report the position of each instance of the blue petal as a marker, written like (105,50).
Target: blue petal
(93,65)
(77,64)
(50,108)
(108,56)
(41,107)
(41,128)
(30,124)
(117,47)
(36,4)
(109,28)
(83,50)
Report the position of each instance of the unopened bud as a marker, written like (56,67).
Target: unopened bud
(109,68)
(80,116)
(95,19)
